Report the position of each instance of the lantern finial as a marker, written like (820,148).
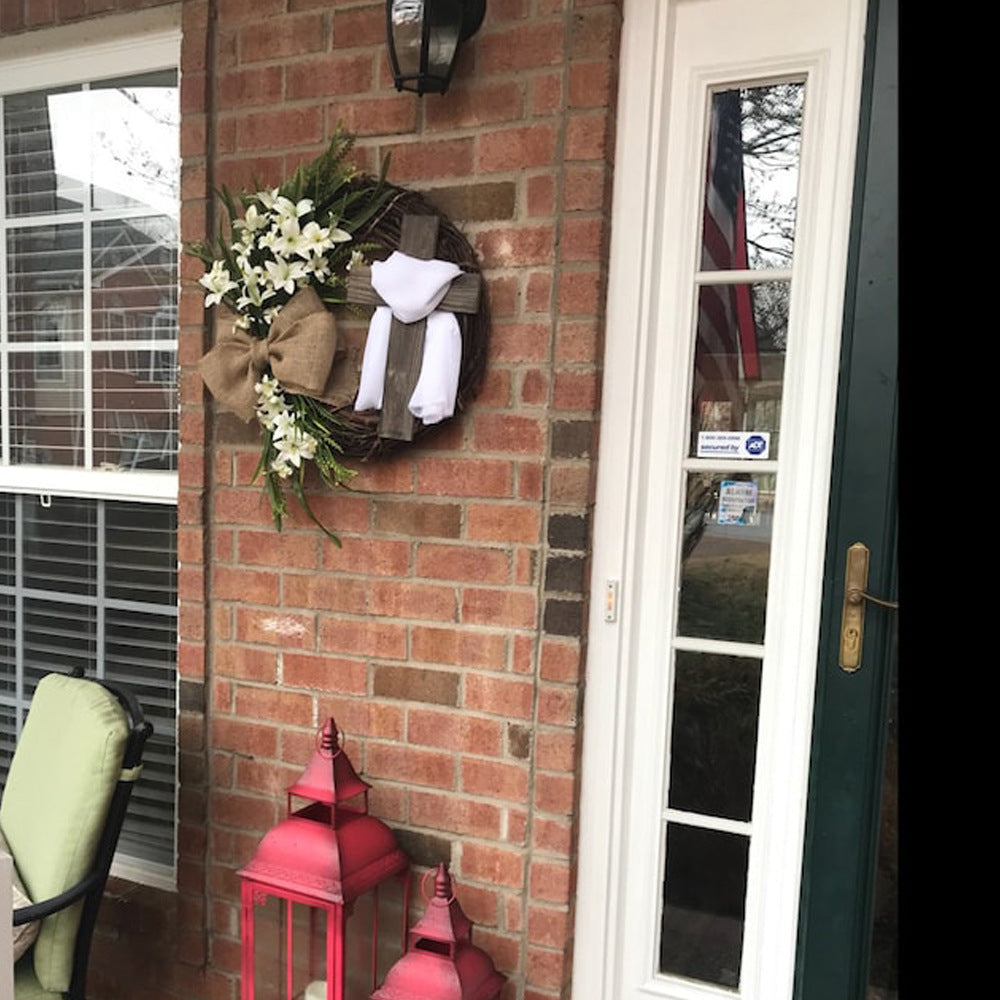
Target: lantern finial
(442,883)
(330,777)
(329,737)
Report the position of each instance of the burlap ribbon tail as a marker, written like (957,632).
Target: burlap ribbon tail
(299,348)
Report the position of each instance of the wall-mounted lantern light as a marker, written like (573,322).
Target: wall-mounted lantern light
(424,36)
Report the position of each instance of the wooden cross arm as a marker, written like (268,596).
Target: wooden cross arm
(462,297)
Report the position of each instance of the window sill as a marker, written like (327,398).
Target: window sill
(148,487)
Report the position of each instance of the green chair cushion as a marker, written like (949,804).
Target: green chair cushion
(27,986)
(24,934)
(61,779)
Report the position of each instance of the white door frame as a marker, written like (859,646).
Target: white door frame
(638,509)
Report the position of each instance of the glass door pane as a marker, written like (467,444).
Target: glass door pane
(741,296)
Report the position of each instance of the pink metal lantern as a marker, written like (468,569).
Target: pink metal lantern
(324,855)
(442,963)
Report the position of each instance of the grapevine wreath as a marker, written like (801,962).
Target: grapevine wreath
(280,266)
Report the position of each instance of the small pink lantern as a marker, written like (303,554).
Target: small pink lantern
(442,962)
(324,856)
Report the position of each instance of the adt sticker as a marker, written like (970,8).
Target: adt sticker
(733,444)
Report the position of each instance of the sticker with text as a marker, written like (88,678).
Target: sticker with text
(733,444)
(737,502)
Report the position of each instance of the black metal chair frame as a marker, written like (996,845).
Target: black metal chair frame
(91,887)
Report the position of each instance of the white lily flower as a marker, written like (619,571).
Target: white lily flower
(267,240)
(315,240)
(295,448)
(243,262)
(270,408)
(288,209)
(267,198)
(254,220)
(281,468)
(266,387)
(253,294)
(357,259)
(284,273)
(339,235)
(291,240)
(218,282)
(282,425)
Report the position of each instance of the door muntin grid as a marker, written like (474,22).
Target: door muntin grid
(741,302)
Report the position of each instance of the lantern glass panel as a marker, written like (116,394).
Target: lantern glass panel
(444,22)
(407,19)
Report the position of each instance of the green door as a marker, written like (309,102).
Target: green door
(847,934)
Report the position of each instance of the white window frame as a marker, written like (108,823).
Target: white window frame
(137,45)
(105,48)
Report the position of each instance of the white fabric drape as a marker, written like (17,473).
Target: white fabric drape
(413,289)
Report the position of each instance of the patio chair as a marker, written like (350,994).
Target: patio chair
(63,804)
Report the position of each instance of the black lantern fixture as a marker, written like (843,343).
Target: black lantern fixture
(424,36)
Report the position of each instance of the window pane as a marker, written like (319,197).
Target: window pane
(140,654)
(119,139)
(704,891)
(8,561)
(136,156)
(752,167)
(46,408)
(58,635)
(141,553)
(135,409)
(713,743)
(8,726)
(739,365)
(726,555)
(135,279)
(8,649)
(772,144)
(44,284)
(45,142)
(60,545)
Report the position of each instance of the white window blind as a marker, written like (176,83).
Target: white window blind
(89,198)
(92,585)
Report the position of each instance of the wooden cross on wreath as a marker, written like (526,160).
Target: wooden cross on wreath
(418,238)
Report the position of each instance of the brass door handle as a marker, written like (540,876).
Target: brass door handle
(852,618)
(857,596)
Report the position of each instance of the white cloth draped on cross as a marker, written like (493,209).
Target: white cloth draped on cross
(413,289)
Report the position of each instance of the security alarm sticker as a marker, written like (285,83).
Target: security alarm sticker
(733,444)
(737,502)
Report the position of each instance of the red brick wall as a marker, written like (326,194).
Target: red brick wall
(447,635)
(27,15)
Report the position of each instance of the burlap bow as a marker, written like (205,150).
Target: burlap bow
(299,348)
